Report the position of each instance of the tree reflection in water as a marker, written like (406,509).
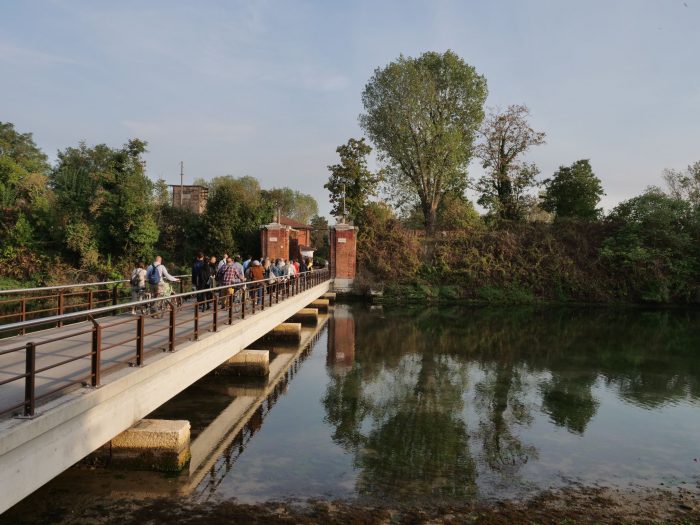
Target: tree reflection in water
(436,398)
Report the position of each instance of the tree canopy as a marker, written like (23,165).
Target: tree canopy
(351,184)
(422,115)
(292,203)
(573,192)
(505,137)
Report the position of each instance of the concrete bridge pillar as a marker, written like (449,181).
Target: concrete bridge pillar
(343,241)
(247,363)
(152,444)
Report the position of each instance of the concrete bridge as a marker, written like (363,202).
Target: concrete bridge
(67,390)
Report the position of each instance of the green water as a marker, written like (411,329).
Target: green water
(484,402)
(430,404)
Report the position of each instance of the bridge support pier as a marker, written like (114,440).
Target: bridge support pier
(287,332)
(306,316)
(247,363)
(320,304)
(152,444)
(330,296)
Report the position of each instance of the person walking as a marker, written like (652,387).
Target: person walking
(138,283)
(257,274)
(200,278)
(157,275)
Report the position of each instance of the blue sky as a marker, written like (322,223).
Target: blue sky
(270,89)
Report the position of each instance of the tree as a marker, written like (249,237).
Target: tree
(684,185)
(105,201)
(573,192)
(422,114)
(235,211)
(657,246)
(319,237)
(24,196)
(506,137)
(351,184)
(292,203)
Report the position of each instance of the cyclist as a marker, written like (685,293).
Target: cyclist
(157,275)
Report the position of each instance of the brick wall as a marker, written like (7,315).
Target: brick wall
(275,242)
(343,240)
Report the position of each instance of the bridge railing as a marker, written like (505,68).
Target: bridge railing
(24,304)
(159,325)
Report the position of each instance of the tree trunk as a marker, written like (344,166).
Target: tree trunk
(430,219)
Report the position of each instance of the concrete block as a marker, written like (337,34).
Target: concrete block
(320,304)
(152,444)
(247,363)
(287,332)
(331,296)
(306,316)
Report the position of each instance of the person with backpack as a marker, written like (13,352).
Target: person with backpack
(156,275)
(200,279)
(138,283)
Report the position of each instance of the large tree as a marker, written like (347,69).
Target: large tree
(292,203)
(573,192)
(25,200)
(422,114)
(505,137)
(684,184)
(351,183)
(235,211)
(105,201)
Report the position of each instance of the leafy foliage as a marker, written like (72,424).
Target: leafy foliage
(506,137)
(573,192)
(422,114)
(351,183)
(294,204)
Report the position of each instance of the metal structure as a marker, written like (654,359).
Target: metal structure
(25,304)
(130,338)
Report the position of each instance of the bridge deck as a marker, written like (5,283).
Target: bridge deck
(57,345)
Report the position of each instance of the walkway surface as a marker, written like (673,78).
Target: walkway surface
(56,345)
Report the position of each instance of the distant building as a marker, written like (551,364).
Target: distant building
(193,198)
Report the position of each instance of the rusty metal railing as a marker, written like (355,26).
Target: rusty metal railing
(24,304)
(160,324)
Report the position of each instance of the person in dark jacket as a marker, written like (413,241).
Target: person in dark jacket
(200,279)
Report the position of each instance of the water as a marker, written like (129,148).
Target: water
(448,404)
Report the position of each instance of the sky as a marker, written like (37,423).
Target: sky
(271,88)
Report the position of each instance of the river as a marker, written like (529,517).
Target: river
(440,405)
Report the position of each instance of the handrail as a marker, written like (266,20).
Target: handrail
(69,286)
(107,309)
(262,293)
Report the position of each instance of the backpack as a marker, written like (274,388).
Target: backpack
(135,279)
(153,275)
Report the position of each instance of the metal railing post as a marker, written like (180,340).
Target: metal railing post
(30,380)
(196,321)
(140,329)
(214,315)
(115,298)
(61,306)
(24,314)
(230,307)
(96,353)
(171,331)
(243,305)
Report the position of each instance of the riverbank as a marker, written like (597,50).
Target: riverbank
(581,505)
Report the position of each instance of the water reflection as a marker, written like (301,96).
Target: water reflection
(437,399)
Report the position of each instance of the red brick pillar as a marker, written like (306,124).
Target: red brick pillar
(343,240)
(274,240)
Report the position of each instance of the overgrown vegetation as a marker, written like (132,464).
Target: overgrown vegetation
(95,212)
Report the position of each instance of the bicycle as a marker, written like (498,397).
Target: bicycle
(159,307)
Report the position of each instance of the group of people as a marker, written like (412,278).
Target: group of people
(229,271)
(212,273)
